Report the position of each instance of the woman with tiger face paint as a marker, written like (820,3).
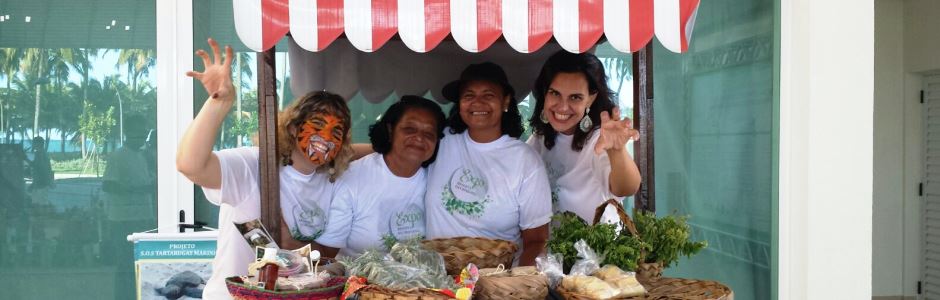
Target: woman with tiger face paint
(314,144)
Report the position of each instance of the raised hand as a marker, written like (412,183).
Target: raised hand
(614,133)
(217,76)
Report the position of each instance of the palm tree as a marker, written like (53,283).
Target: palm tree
(34,60)
(241,69)
(40,65)
(138,63)
(9,66)
(618,69)
(81,62)
(23,94)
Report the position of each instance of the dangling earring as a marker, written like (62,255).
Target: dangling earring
(332,170)
(286,160)
(586,122)
(543,118)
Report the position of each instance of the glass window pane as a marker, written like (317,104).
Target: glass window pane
(714,137)
(214,19)
(77,145)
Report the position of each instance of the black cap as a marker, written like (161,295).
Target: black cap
(483,71)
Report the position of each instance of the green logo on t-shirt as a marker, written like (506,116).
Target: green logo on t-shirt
(308,224)
(466,193)
(405,224)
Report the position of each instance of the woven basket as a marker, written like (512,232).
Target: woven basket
(672,288)
(624,217)
(241,291)
(375,292)
(512,285)
(484,253)
(649,271)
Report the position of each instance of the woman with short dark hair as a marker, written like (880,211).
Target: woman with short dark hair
(579,134)
(380,199)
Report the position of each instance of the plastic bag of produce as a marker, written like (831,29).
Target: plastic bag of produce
(412,252)
(624,282)
(589,263)
(422,271)
(590,286)
(551,266)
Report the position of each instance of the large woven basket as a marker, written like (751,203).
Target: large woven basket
(375,292)
(671,288)
(242,291)
(511,285)
(484,253)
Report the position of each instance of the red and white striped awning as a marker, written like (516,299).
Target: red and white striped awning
(474,24)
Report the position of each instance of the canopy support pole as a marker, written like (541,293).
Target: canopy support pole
(267,137)
(645,198)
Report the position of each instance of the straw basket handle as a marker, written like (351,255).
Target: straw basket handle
(624,218)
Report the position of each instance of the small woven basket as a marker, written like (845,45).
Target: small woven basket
(625,220)
(484,253)
(644,271)
(512,285)
(242,291)
(375,292)
(671,288)
(649,271)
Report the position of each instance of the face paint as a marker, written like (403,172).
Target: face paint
(320,138)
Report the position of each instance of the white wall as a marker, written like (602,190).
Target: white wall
(921,57)
(907,46)
(922,29)
(826,123)
(888,197)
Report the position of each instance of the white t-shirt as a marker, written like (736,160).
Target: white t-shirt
(305,200)
(492,190)
(371,204)
(580,180)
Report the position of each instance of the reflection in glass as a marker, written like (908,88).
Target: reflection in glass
(77,146)
(714,140)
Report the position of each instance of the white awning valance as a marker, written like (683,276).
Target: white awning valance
(475,25)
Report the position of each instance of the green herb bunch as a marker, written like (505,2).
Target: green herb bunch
(621,250)
(668,237)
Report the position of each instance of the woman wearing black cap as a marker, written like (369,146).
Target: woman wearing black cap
(485,182)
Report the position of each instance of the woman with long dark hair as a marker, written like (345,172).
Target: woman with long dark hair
(579,134)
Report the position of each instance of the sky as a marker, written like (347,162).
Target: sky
(102,66)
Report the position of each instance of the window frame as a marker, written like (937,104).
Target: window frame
(175,193)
